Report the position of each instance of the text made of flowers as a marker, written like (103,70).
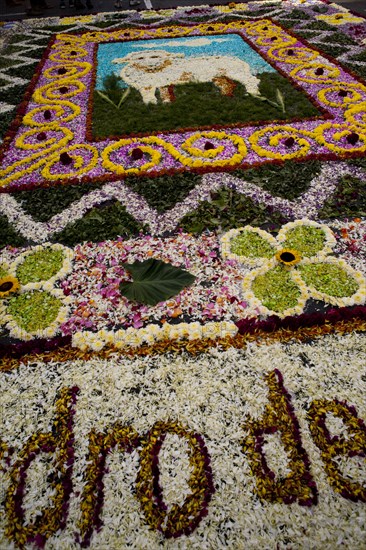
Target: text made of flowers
(279,417)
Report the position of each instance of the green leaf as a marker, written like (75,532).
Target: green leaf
(280,100)
(154,281)
(106,98)
(124,97)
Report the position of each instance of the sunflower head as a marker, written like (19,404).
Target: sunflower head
(288,257)
(8,285)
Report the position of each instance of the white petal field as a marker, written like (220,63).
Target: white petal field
(211,395)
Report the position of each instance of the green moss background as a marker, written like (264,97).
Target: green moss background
(197,105)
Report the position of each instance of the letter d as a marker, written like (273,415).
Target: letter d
(60,442)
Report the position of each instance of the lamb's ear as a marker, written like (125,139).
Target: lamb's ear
(120,59)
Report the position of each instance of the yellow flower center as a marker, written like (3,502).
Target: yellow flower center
(288,257)
(8,285)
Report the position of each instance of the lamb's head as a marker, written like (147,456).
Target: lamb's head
(150,60)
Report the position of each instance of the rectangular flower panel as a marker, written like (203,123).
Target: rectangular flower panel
(52,143)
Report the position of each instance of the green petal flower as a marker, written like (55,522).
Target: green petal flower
(251,245)
(293,267)
(40,307)
(40,265)
(276,289)
(330,279)
(306,239)
(4,270)
(33,311)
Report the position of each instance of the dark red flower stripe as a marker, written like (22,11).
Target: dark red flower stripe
(249,326)
(273,323)
(34,346)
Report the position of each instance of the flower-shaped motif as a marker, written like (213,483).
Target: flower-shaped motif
(232,7)
(147,14)
(75,20)
(340,18)
(292,268)
(30,305)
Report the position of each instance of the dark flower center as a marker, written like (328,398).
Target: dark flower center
(41,136)
(287,257)
(137,154)
(342,93)
(209,145)
(319,71)
(5,287)
(62,70)
(64,89)
(352,138)
(47,115)
(289,142)
(290,52)
(65,159)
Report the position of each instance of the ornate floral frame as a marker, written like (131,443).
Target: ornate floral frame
(50,143)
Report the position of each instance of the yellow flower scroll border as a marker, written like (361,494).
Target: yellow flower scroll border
(275,44)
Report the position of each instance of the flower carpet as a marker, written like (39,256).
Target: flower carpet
(183,278)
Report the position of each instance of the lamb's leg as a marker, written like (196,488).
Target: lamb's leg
(167,94)
(148,95)
(225,85)
(250,82)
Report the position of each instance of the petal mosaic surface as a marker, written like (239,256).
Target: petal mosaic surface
(183,278)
